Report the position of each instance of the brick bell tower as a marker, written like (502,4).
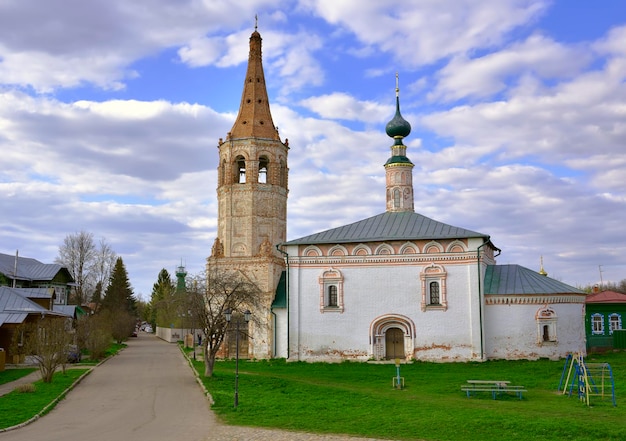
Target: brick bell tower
(252,200)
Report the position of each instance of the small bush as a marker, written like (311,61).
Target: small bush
(26,388)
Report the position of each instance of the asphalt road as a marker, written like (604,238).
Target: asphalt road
(146,392)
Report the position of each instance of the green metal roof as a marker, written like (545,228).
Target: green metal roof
(515,279)
(398,160)
(389,226)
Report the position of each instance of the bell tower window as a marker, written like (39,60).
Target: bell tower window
(263,163)
(240,170)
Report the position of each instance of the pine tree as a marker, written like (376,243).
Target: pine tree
(119,296)
(163,301)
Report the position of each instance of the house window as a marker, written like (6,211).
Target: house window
(615,322)
(434,292)
(331,291)
(546,326)
(597,324)
(332,295)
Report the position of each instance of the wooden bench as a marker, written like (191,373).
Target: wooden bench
(494,386)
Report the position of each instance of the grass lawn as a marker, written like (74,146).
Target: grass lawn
(9,375)
(17,407)
(358,399)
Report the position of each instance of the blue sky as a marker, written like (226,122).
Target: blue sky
(110,114)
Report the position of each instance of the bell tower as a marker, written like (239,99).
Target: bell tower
(252,197)
(399,168)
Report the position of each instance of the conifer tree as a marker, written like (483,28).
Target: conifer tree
(119,303)
(119,296)
(163,301)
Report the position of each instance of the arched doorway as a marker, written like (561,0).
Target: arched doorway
(392,336)
(394,344)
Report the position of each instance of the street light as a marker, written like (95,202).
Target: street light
(228,314)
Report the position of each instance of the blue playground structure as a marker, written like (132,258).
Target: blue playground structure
(588,379)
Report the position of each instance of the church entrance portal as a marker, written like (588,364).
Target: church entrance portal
(394,344)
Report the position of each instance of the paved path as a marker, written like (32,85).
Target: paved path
(147,392)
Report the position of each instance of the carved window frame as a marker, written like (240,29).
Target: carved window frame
(615,322)
(434,273)
(597,324)
(546,326)
(331,278)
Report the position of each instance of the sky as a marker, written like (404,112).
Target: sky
(111,111)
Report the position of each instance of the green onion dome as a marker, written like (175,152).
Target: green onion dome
(398,127)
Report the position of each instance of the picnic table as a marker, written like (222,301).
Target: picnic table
(496,387)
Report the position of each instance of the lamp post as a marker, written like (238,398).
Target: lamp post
(228,314)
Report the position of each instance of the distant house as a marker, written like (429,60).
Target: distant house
(29,290)
(24,272)
(19,306)
(604,312)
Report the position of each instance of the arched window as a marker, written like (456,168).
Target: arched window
(396,198)
(331,291)
(434,293)
(263,162)
(240,170)
(332,295)
(546,326)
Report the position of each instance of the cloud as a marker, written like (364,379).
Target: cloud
(345,107)
(95,42)
(417,32)
(491,74)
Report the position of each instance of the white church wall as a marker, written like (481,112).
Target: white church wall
(513,331)
(381,290)
(280,332)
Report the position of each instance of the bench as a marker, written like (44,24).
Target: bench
(494,386)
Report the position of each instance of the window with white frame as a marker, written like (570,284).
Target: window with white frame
(331,291)
(546,326)
(615,322)
(434,293)
(597,324)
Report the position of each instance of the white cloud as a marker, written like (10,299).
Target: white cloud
(345,107)
(488,75)
(421,32)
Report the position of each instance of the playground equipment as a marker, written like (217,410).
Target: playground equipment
(589,379)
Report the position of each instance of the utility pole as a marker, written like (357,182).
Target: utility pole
(600,269)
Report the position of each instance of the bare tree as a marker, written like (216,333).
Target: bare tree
(47,341)
(89,264)
(103,264)
(77,254)
(209,297)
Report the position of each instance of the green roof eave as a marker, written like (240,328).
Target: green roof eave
(398,160)
(516,279)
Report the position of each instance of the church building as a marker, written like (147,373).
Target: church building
(398,285)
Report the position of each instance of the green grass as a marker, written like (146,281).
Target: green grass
(17,407)
(9,375)
(358,399)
